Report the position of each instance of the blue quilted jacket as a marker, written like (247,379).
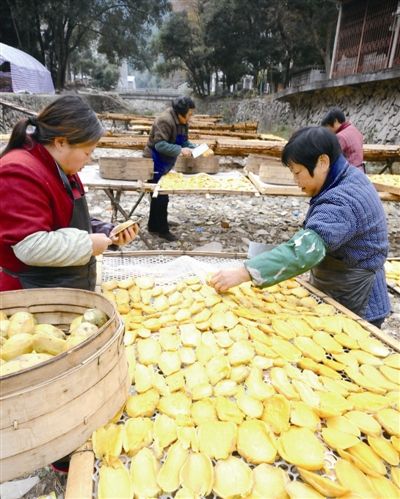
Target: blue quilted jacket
(349,216)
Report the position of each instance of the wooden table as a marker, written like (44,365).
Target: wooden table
(114,189)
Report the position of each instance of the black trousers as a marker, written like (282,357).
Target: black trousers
(158,217)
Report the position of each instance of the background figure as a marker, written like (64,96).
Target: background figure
(350,138)
(168,139)
(47,238)
(344,238)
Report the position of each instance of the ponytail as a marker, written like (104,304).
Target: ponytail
(68,116)
(18,137)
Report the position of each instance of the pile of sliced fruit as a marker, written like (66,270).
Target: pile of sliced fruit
(233,390)
(386,179)
(203,181)
(392,269)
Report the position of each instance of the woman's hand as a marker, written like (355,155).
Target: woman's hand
(225,279)
(100,242)
(126,236)
(186,152)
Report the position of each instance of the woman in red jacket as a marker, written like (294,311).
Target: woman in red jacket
(47,238)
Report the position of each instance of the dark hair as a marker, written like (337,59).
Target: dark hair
(307,144)
(332,115)
(181,105)
(69,116)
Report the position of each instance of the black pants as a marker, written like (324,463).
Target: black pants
(378,323)
(158,217)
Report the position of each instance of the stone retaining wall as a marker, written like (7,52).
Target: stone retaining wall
(373,107)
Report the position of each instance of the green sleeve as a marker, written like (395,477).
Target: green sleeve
(189,144)
(305,250)
(168,149)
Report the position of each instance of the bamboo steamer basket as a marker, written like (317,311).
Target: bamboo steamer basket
(49,410)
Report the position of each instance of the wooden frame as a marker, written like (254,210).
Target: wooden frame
(80,477)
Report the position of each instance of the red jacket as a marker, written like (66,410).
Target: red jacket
(351,142)
(32,198)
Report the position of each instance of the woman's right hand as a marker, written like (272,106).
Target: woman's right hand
(100,243)
(186,152)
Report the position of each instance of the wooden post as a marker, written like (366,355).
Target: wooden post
(79,481)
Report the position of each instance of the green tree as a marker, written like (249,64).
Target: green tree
(54,30)
(181,43)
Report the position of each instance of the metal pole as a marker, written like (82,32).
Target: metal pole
(396,36)
(335,44)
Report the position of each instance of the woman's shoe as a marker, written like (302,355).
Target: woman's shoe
(168,236)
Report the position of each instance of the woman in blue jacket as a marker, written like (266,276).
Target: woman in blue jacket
(344,241)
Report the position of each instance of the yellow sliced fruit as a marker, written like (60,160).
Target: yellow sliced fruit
(257,387)
(107,441)
(326,341)
(364,357)
(144,470)
(395,475)
(276,413)
(168,476)
(372,461)
(114,481)
(364,381)
(286,350)
(175,405)
(301,447)
(373,373)
(233,477)
(353,479)
(391,374)
(384,488)
(175,381)
(281,383)
(254,443)
(353,329)
(241,352)
(267,477)
(343,424)
(221,447)
(374,347)
(367,401)
(137,433)
(303,415)
(395,442)
(323,485)
(384,449)
(346,340)
(300,490)
(217,369)
(392,360)
(143,404)
(239,373)
(250,406)
(365,422)
(282,328)
(333,404)
(195,374)
(307,394)
(203,411)
(164,431)
(197,474)
(225,388)
(390,420)
(309,348)
(169,362)
(337,439)
(148,351)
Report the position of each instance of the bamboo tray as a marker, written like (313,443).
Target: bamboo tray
(381,186)
(82,478)
(50,409)
(248,188)
(391,284)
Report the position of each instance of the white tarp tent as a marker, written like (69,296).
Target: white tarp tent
(27,73)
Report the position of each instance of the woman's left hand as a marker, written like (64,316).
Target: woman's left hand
(126,236)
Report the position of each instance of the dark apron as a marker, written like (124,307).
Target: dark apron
(349,286)
(158,216)
(81,276)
